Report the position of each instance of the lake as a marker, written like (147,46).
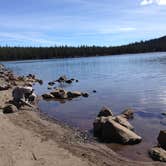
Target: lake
(137,81)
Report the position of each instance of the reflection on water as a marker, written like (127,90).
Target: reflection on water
(137,81)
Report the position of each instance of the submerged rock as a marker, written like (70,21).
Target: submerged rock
(10,108)
(47,96)
(51,83)
(62,79)
(84,94)
(162,139)
(158,154)
(68,81)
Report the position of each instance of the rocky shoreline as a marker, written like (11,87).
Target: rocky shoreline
(29,138)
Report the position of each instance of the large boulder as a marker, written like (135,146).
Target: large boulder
(107,129)
(162,139)
(10,108)
(105,111)
(98,126)
(124,122)
(114,131)
(158,154)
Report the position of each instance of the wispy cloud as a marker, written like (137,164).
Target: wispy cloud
(149,2)
(25,38)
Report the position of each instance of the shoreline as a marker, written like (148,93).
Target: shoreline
(92,56)
(33,139)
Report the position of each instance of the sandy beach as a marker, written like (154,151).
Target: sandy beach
(27,138)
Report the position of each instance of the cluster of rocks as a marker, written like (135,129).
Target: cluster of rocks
(159,152)
(10,79)
(110,128)
(60,93)
(62,79)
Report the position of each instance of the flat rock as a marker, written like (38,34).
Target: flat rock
(158,154)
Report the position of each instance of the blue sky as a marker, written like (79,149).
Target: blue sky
(78,22)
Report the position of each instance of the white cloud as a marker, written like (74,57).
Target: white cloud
(13,36)
(161,2)
(149,2)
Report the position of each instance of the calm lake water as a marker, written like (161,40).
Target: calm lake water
(137,81)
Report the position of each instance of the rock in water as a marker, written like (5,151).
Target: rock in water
(105,111)
(60,94)
(85,94)
(68,81)
(162,139)
(113,131)
(158,154)
(10,109)
(51,83)
(128,113)
(47,96)
(74,94)
(124,122)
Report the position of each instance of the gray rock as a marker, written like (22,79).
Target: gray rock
(10,108)
(162,139)
(158,154)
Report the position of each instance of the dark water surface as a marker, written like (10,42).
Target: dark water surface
(137,81)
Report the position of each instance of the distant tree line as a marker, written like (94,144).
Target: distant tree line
(22,53)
